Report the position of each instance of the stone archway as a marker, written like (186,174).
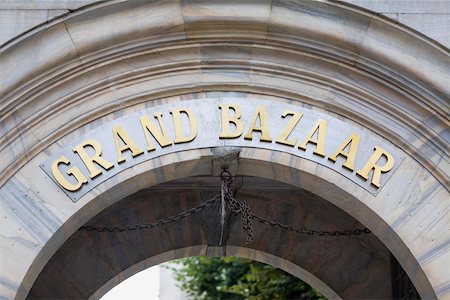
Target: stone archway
(82,71)
(355,266)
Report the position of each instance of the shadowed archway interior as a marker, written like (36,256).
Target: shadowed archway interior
(351,266)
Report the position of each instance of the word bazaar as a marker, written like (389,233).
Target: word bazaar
(233,125)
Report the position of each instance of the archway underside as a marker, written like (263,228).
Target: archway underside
(353,267)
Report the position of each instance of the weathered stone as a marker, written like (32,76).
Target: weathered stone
(113,59)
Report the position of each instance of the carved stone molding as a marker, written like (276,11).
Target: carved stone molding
(354,63)
(107,60)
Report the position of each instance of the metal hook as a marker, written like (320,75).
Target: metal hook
(225,173)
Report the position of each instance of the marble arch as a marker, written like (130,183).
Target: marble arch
(77,72)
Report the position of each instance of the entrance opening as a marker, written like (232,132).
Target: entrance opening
(142,285)
(354,265)
(201,277)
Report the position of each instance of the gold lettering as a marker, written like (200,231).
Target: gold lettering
(350,156)
(74,171)
(225,132)
(296,116)
(260,114)
(160,136)
(89,161)
(179,132)
(377,170)
(121,135)
(321,128)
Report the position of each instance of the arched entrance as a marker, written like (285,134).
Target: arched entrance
(70,78)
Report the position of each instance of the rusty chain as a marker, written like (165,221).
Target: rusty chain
(309,231)
(158,223)
(237,207)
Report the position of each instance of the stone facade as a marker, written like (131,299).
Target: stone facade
(431,18)
(83,71)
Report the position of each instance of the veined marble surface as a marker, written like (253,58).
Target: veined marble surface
(81,71)
(431,17)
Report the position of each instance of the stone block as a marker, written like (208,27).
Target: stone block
(435,26)
(404,6)
(15,22)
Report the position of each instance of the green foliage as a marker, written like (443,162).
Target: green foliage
(237,278)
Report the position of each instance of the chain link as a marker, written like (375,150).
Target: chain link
(309,231)
(237,207)
(158,223)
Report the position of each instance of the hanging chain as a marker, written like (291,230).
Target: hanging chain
(309,231)
(237,207)
(158,223)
